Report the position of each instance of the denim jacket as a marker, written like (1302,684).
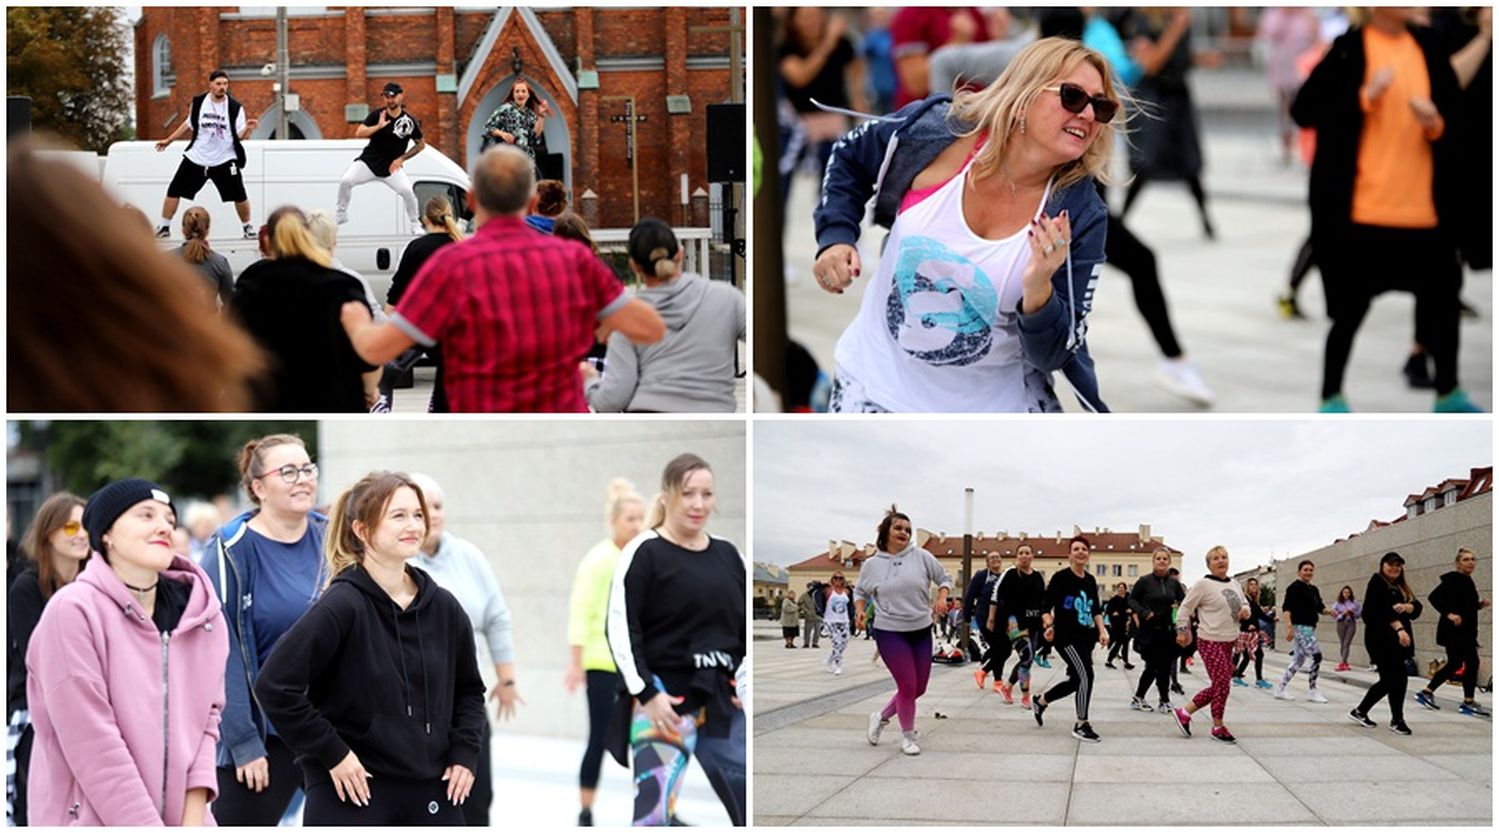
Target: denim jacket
(865,164)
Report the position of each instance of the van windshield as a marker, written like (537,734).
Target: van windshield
(456,197)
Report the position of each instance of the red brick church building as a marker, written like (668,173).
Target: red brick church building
(457,65)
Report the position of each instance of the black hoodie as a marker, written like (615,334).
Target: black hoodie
(400,688)
(1456,594)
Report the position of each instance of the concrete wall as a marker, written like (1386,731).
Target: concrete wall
(530,494)
(1429,544)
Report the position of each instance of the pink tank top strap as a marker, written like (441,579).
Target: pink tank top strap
(915,195)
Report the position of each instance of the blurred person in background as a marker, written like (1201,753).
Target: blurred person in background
(324,231)
(551,201)
(441,227)
(878,64)
(200,519)
(918,31)
(213,266)
(817,61)
(122,291)
(1284,34)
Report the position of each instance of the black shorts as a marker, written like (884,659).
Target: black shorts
(226,177)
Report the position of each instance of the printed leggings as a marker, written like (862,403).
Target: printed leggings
(908,655)
(1079,659)
(1215,655)
(1024,646)
(1304,649)
(660,762)
(838,635)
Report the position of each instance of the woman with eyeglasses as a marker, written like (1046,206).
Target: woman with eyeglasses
(125,676)
(996,237)
(267,567)
(56,548)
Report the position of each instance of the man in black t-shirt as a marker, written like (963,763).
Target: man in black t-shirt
(395,136)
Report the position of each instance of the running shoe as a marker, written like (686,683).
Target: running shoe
(1184,722)
(980,676)
(1399,727)
(1177,689)
(1128,667)
(250,232)
(1288,307)
(1315,696)
(1109,664)
(1361,719)
(877,725)
(1025,699)
(1282,694)
(585,818)
(1043,662)
(1239,681)
(1139,704)
(1426,699)
(1004,689)
(1456,402)
(1473,710)
(1085,733)
(163,231)
(1221,733)
(1262,684)
(1335,405)
(1180,378)
(908,743)
(1416,373)
(838,671)
(1165,707)
(1343,666)
(1037,708)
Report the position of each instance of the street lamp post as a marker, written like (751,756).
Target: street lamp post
(967,571)
(283,67)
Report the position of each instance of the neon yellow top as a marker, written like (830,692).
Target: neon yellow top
(589,608)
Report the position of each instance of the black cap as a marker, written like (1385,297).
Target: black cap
(1392,558)
(114,500)
(392,88)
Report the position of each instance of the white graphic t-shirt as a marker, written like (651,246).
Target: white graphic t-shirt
(837,609)
(214,144)
(937,330)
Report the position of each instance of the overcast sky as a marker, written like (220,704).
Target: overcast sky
(1263,489)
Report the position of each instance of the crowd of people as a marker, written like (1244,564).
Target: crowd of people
(325,664)
(521,315)
(957,324)
(1221,625)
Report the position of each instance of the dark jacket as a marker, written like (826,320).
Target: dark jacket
(1380,638)
(242,726)
(412,260)
(881,157)
(1151,599)
(976,597)
(399,688)
(23,609)
(1116,612)
(1329,103)
(1455,594)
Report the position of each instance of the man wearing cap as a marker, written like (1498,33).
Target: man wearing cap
(217,123)
(395,136)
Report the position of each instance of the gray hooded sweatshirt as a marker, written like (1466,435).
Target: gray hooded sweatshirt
(901,587)
(691,369)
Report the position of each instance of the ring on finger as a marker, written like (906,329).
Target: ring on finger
(1048,249)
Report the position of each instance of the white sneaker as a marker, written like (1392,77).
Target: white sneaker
(1282,694)
(1315,696)
(1179,376)
(876,725)
(908,744)
(838,671)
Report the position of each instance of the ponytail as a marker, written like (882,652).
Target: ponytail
(439,212)
(673,478)
(290,237)
(342,549)
(195,228)
(363,503)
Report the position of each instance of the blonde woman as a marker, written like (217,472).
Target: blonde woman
(676,628)
(996,240)
(376,688)
(1219,605)
(589,645)
(290,304)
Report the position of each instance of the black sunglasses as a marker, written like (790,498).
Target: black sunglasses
(1075,98)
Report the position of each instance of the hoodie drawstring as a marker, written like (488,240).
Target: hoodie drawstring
(401,651)
(426,695)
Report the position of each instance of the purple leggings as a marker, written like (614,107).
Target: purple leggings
(908,655)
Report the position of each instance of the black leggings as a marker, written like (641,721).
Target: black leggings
(240,806)
(1079,659)
(1374,259)
(1194,184)
(476,808)
(1135,259)
(1305,260)
(1259,663)
(392,802)
(998,653)
(1159,652)
(1391,685)
(1119,644)
(1467,658)
(601,689)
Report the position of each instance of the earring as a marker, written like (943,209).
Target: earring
(1022,125)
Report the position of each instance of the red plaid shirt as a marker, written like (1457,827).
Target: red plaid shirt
(515,311)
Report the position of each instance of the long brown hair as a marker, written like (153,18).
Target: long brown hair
(673,478)
(38,541)
(570,226)
(364,502)
(132,300)
(195,225)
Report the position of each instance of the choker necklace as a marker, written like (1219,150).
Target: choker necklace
(140,592)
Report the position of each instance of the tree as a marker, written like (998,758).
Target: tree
(71,62)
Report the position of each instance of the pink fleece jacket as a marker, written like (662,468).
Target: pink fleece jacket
(126,719)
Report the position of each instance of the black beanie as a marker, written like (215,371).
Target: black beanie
(112,501)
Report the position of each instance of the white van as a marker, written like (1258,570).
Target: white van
(300,173)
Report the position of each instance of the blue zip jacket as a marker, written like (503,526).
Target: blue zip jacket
(242,729)
(865,163)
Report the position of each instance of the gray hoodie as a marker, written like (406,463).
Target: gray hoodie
(901,586)
(690,369)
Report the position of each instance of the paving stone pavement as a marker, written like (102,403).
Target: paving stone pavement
(987,763)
